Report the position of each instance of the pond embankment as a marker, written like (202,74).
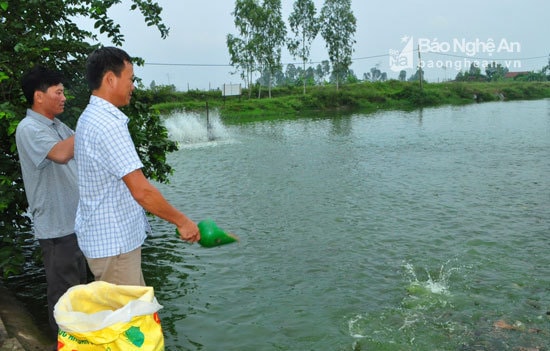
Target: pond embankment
(18,330)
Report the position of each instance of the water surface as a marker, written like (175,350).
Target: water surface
(423,230)
(389,231)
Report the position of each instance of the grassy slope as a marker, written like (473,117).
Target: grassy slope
(290,102)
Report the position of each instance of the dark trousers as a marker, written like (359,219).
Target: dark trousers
(65,267)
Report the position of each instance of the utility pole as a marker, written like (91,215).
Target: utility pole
(419,67)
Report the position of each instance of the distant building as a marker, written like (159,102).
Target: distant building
(514,75)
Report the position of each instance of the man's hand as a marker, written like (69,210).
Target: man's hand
(189,232)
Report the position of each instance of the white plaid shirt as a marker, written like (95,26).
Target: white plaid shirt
(109,221)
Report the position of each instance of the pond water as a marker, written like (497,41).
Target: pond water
(423,230)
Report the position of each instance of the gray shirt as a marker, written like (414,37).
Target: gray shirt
(51,188)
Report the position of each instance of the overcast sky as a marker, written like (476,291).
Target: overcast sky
(513,33)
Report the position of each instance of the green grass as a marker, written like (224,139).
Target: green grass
(290,102)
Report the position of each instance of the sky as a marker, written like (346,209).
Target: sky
(450,35)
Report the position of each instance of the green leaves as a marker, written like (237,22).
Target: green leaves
(151,12)
(262,34)
(11,260)
(150,137)
(338,29)
(3,76)
(305,27)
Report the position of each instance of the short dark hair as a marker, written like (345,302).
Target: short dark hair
(39,78)
(103,60)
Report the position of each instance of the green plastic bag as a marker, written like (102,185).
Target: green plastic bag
(212,235)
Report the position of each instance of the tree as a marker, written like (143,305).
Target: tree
(416,76)
(47,35)
(309,76)
(338,29)
(402,75)
(375,75)
(545,71)
(269,39)
(531,77)
(474,71)
(291,74)
(242,52)
(305,27)
(473,74)
(495,71)
(351,77)
(258,48)
(321,71)
(279,78)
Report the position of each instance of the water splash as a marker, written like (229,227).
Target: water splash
(357,326)
(429,284)
(427,289)
(425,309)
(193,128)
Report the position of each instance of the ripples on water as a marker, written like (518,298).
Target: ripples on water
(393,231)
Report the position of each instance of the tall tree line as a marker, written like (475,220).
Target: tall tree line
(262,34)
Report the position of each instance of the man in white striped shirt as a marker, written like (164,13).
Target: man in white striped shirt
(111,224)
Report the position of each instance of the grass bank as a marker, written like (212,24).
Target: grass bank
(289,102)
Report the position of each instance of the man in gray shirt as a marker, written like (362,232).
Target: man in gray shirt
(46,150)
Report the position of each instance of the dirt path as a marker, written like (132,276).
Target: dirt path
(18,332)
